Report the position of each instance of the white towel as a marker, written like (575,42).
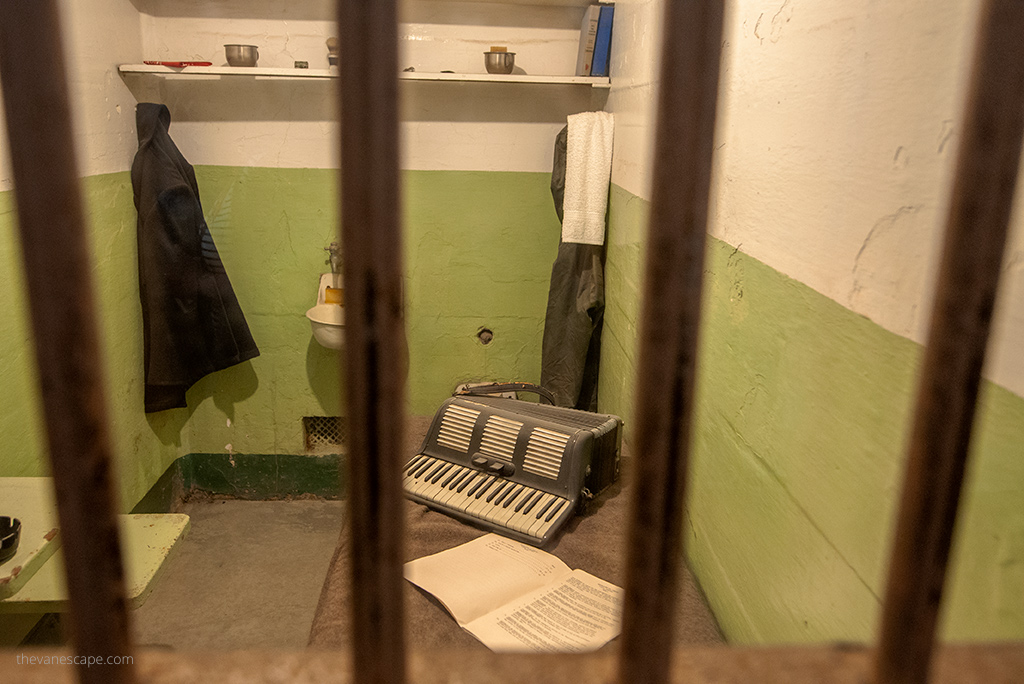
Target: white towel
(588,171)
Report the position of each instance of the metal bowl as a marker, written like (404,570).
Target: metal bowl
(10,534)
(241,55)
(499,62)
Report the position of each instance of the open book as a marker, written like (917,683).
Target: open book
(516,598)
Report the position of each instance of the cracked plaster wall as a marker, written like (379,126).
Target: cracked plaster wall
(835,142)
(838,134)
(834,150)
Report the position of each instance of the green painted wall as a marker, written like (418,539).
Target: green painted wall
(479,248)
(801,412)
(270,227)
(22,432)
(478,253)
(145,446)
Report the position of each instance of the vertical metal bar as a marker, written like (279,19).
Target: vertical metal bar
(669,329)
(979,213)
(374,332)
(53,240)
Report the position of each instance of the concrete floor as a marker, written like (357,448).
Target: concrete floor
(248,575)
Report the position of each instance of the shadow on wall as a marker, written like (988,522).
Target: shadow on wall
(323,370)
(167,425)
(226,387)
(304,100)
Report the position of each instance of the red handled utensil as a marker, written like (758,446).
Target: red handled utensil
(180,65)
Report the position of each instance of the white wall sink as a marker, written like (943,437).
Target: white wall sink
(328,321)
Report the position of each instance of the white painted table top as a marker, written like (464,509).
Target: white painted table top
(147,542)
(30,500)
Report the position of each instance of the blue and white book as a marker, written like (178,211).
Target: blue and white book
(603,41)
(588,34)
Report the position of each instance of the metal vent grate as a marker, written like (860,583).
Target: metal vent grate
(544,453)
(324,434)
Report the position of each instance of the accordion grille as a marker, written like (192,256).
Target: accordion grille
(544,453)
(456,430)
(500,436)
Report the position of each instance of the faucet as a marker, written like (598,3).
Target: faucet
(335,259)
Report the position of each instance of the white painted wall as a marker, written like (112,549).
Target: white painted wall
(635,60)
(98,35)
(459,126)
(488,127)
(838,127)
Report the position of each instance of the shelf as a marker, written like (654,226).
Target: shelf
(594,81)
(286,73)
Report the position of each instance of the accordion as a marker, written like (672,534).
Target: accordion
(514,467)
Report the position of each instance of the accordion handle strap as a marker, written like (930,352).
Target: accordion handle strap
(497,387)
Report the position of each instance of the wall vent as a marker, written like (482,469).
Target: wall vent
(324,434)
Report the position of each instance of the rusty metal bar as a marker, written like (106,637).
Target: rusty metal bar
(374,332)
(671,319)
(53,240)
(979,214)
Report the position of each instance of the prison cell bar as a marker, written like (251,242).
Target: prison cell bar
(670,324)
(976,227)
(53,241)
(374,332)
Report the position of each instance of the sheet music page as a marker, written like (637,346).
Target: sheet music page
(577,613)
(480,576)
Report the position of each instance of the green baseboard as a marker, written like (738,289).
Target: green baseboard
(252,477)
(262,476)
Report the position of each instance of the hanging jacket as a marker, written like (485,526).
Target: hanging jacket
(571,347)
(192,322)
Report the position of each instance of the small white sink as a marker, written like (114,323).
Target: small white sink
(328,321)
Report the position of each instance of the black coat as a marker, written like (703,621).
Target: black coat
(571,348)
(192,323)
